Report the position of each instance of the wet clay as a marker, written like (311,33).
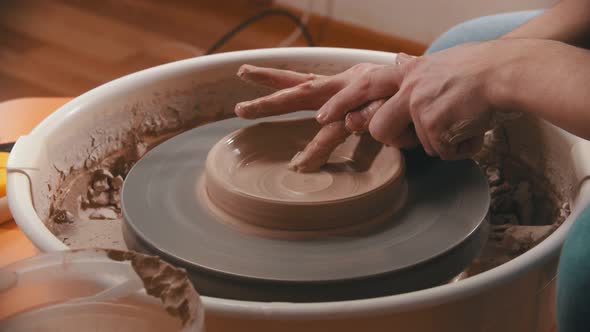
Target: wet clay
(248,177)
(162,280)
(525,208)
(521,196)
(318,151)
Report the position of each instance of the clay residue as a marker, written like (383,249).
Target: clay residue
(525,208)
(160,279)
(111,140)
(317,152)
(85,210)
(61,216)
(102,200)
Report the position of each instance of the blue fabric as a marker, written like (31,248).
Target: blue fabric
(573,280)
(481,29)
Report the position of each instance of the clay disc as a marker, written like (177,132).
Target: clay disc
(247,179)
(435,235)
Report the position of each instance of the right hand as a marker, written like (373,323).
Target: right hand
(299,91)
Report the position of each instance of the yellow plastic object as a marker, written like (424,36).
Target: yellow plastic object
(3,160)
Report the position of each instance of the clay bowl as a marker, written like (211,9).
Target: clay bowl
(247,177)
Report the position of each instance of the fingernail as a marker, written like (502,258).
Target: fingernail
(241,71)
(242,110)
(238,109)
(244,69)
(348,123)
(321,117)
(355,121)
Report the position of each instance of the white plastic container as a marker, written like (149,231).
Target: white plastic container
(517,296)
(85,290)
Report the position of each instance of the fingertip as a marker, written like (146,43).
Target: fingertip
(242,111)
(244,70)
(322,118)
(429,151)
(470,146)
(238,110)
(354,122)
(376,130)
(348,123)
(407,140)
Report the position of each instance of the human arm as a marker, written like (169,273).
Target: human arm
(567,21)
(550,80)
(452,97)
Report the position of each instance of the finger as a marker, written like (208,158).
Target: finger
(444,149)
(391,120)
(365,152)
(274,78)
(375,84)
(358,121)
(306,96)
(470,147)
(318,151)
(407,140)
(461,138)
(421,133)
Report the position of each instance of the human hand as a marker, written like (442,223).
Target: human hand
(450,98)
(445,100)
(299,92)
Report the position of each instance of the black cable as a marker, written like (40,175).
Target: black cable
(257,17)
(6,147)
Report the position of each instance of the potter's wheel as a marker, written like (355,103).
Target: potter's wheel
(437,233)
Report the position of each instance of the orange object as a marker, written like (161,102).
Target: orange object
(19,117)
(3,159)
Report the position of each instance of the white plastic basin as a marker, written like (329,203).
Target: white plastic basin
(517,296)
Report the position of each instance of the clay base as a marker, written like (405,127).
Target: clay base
(247,177)
(359,229)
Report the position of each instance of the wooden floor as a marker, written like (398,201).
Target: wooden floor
(66,47)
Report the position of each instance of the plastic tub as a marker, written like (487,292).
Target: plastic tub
(91,290)
(516,296)
(19,117)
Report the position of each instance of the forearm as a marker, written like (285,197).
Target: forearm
(547,79)
(568,22)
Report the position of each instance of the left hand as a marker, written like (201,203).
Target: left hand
(299,92)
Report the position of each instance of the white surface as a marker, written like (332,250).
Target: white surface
(417,20)
(519,280)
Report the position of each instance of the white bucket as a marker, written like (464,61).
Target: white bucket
(86,290)
(516,296)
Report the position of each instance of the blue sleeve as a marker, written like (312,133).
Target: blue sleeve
(573,278)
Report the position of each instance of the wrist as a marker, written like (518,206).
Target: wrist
(507,75)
